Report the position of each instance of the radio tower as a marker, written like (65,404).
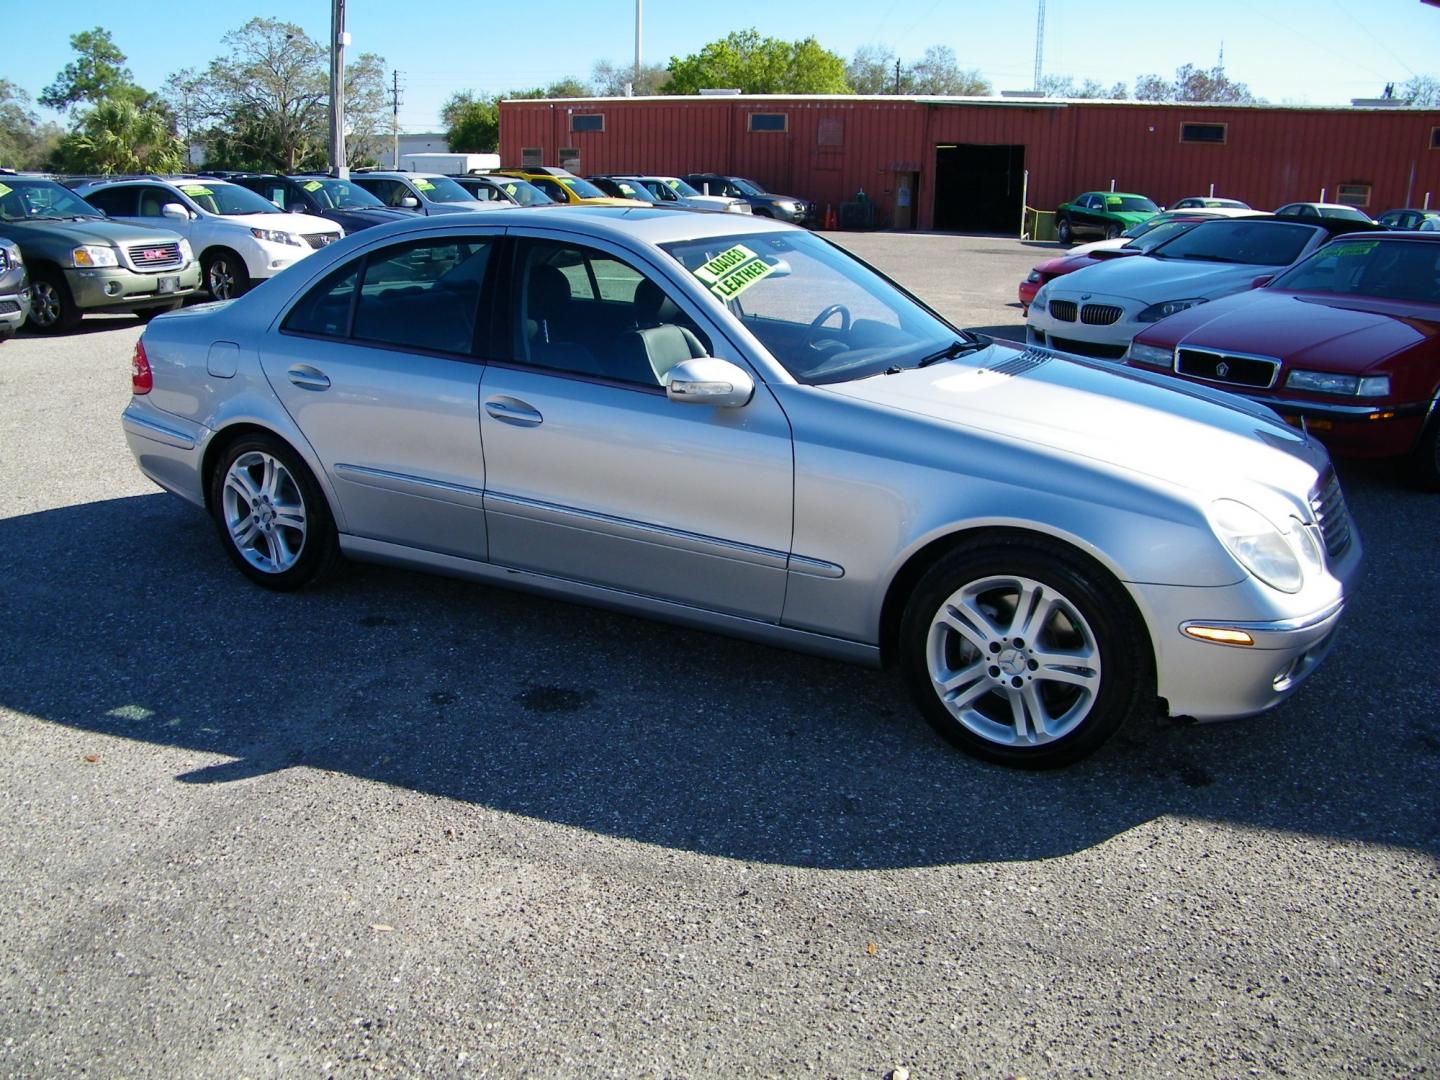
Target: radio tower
(1039,45)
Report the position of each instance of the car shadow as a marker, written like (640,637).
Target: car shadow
(124,619)
(90,324)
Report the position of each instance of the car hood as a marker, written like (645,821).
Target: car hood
(295,223)
(1343,333)
(1144,277)
(360,217)
(1129,421)
(470,207)
(86,231)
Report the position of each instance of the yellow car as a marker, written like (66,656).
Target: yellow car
(565,187)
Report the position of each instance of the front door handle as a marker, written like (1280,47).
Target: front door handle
(308,378)
(513,411)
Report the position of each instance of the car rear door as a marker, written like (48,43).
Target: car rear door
(594,475)
(376,364)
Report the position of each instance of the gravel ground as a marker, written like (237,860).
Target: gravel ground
(400,825)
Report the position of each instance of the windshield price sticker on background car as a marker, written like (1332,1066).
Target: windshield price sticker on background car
(1341,251)
(732,272)
(195,191)
(424,185)
(313,185)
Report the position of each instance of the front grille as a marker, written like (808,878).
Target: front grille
(1226,368)
(1088,348)
(320,239)
(1100,314)
(8,307)
(156,256)
(1331,514)
(1064,310)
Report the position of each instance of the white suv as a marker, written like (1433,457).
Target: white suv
(239,236)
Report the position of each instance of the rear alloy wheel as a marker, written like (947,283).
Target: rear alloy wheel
(272,517)
(52,307)
(1020,655)
(1112,232)
(1062,231)
(225,275)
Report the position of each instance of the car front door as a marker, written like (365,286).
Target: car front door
(594,475)
(376,365)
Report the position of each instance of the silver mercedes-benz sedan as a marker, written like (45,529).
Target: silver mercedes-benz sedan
(736,425)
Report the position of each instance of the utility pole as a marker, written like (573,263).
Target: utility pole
(395,118)
(897,75)
(1039,45)
(338,40)
(639,11)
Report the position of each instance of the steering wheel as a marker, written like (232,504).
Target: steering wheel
(817,324)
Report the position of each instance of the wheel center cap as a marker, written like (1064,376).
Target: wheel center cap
(1012,662)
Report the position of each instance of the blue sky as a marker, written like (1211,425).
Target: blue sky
(1319,52)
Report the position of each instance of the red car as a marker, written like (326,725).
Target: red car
(1346,343)
(1142,238)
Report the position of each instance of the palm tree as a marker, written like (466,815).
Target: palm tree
(121,137)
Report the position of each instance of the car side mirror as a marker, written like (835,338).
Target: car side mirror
(705,380)
(1262,281)
(175,210)
(410,202)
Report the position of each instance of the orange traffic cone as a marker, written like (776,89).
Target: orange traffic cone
(830,219)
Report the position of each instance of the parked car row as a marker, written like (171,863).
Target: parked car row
(1328,318)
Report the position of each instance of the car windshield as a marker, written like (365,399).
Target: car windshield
(1241,241)
(582,188)
(226,199)
(749,187)
(1126,204)
(22,198)
(441,189)
(675,184)
(1163,232)
(523,192)
(339,194)
(1391,269)
(823,314)
(633,189)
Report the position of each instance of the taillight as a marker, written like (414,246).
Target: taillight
(142,380)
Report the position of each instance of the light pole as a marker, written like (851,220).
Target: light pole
(635,78)
(338,40)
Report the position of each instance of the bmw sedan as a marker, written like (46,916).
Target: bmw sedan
(735,425)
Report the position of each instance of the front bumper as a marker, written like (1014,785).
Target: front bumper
(265,259)
(114,288)
(1109,341)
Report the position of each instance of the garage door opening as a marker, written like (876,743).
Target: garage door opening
(979,188)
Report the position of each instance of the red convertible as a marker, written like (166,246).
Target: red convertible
(1346,343)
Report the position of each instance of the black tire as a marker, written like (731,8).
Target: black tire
(146,314)
(224,274)
(52,307)
(234,514)
(1092,623)
(1063,232)
(1425,460)
(1112,231)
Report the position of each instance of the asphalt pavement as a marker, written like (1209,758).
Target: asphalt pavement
(399,825)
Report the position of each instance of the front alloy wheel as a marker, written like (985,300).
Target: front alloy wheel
(1023,655)
(52,308)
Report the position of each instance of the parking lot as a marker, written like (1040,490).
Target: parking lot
(401,825)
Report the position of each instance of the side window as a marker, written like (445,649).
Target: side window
(325,309)
(551,188)
(423,295)
(584,312)
(116,202)
(153,200)
(390,192)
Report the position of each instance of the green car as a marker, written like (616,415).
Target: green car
(1101,213)
(80,262)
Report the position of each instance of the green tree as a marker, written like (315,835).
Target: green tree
(873,70)
(120,137)
(98,73)
(610,80)
(472,124)
(25,143)
(937,72)
(1064,86)
(755,65)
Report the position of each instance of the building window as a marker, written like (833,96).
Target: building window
(1202,133)
(587,121)
(532,156)
(1435,138)
(1353,194)
(830,131)
(570,158)
(769,121)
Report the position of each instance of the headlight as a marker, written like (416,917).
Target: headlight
(1151,354)
(1040,299)
(4,259)
(96,255)
(275,236)
(1156,312)
(1034,276)
(1258,545)
(186,254)
(1323,382)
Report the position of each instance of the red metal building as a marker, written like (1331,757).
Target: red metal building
(966,161)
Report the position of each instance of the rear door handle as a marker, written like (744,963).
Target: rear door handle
(513,411)
(308,378)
